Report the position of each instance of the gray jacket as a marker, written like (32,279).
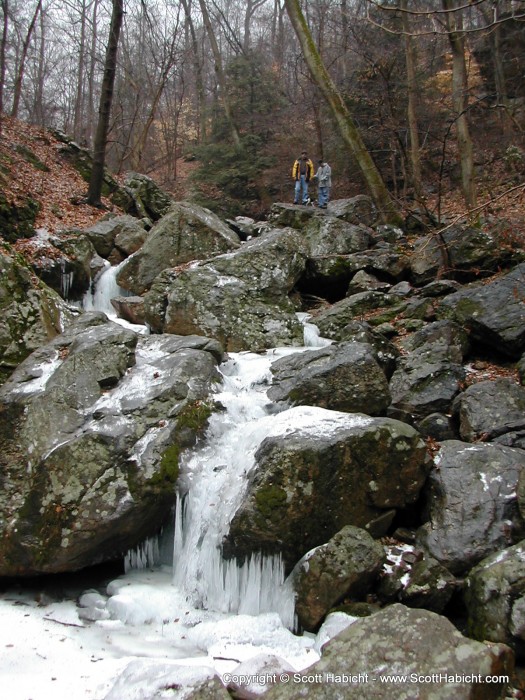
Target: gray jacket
(324,175)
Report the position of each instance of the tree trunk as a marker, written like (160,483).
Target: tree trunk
(199,80)
(3,45)
(38,112)
(104,112)
(22,66)
(90,117)
(347,128)
(410,59)
(79,98)
(460,102)
(221,80)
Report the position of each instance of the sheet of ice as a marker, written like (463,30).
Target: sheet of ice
(106,288)
(143,624)
(50,653)
(216,479)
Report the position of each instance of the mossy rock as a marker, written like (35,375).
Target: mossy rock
(17,220)
(31,158)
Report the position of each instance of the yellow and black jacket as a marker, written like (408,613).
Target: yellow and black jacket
(296,169)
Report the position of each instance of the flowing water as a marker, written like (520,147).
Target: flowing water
(179,600)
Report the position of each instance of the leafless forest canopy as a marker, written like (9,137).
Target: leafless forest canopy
(434,87)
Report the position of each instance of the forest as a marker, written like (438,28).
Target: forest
(420,104)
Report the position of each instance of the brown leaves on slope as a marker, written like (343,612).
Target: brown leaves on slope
(31,166)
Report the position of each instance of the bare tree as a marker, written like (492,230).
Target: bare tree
(22,62)
(412,98)
(106,99)
(199,78)
(344,121)
(456,37)
(3,44)
(219,72)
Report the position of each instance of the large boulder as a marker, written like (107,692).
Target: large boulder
(240,298)
(327,235)
(140,196)
(346,565)
(292,215)
(330,275)
(97,418)
(430,376)
(385,352)
(404,654)
(333,320)
(355,210)
(473,504)
(333,469)
(493,313)
(187,232)
(31,313)
(468,250)
(106,232)
(495,598)
(411,577)
(490,409)
(342,377)
(67,263)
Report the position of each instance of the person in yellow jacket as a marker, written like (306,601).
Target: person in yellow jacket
(302,173)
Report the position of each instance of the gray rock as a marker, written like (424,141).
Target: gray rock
(345,566)
(98,418)
(130,309)
(293,215)
(142,197)
(419,387)
(31,313)
(327,235)
(440,288)
(104,233)
(417,644)
(429,378)
(363,282)
(489,409)
(334,469)
(356,210)
(332,320)
(495,598)
(67,266)
(187,232)
(411,577)
(468,250)
(240,298)
(342,377)
(436,426)
(493,313)
(383,350)
(521,369)
(472,503)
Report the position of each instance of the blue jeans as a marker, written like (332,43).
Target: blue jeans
(323,196)
(301,184)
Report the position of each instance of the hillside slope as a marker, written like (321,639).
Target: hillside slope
(32,165)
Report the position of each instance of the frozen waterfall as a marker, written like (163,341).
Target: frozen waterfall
(215,478)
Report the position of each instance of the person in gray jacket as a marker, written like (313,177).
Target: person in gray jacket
(324,183)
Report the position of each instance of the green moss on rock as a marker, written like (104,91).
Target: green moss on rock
(270,498)
(17,220)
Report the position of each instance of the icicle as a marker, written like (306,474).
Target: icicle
(218,476)
(66,280)
(144,555)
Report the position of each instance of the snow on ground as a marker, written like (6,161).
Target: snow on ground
(50,653)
